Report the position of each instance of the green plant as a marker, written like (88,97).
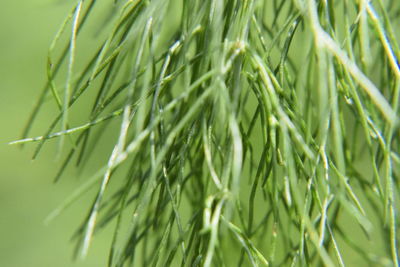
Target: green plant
(245,132)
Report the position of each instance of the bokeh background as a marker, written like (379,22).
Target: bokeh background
(27,194)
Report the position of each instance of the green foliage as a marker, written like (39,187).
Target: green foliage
(245,132)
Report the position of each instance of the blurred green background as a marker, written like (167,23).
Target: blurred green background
(27,194)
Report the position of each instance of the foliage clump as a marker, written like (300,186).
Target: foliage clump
(244,132)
